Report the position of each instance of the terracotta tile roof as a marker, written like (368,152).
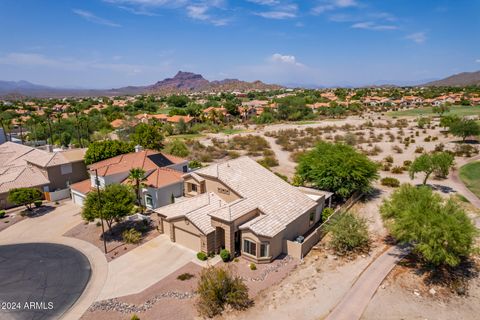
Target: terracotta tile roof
(176,119)
(83,187)
(117,123)
(148,160)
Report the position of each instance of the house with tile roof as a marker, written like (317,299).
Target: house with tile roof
(24,167)
(243,207)
(163,176)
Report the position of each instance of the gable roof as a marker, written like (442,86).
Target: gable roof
(278,202)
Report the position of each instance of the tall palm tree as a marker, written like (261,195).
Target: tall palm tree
(137,177)
(49,115)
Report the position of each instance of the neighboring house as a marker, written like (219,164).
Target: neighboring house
(243,207)
(22,166)
(163,173)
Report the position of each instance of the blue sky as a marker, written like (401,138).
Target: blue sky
(111,43)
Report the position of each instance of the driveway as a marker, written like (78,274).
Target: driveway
(40,281)
(142,267)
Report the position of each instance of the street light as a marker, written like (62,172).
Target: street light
(97,183)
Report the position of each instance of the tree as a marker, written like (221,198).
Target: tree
(137,177)
(177,148)
(115,202)
(101,150)
(219,287)
(446,121)
(441,109)
(422,122)
(349,233)
(24,196)
(438,162)
(465,128)
(338,168)
(148,136)
(440,231)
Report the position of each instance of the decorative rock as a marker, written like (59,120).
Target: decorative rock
(432,291)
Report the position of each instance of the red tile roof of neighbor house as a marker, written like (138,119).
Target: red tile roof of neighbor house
(117,123)
(159,178)
(177,118)
(84,186)
(145,159)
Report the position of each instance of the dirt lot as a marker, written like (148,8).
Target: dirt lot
(404,295)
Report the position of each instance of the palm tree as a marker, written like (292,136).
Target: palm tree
(137,177)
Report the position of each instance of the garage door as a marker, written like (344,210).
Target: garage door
(187,239)
(78,199)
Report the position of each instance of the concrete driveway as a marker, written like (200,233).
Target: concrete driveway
(144,266)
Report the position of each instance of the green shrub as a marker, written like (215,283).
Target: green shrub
(134,317)
(253,266)
(38,203)
(225,255)
(185,276)
(194,164)
(202,256)
(419,150)
(218,288)
(326,213)
(407,163)
(390,182)
(132,236)
(349,234)
(268,162)
(388,159)
(2,214)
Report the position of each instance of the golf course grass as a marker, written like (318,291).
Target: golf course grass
(470,175)
(460,111)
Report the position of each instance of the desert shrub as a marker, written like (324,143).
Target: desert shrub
(388,159)
(131,236)
(349,234)
(427,139)
(419,150)
(465,150)
(185,276)
(407,163)
(218,288)
(38,203)
(268,162)
(434,138)
(350,139)
(268,153)
(253,266)
(397,170)
(386,167)
(134,317)
(439,147)
(177,148)
(326,213)
(233,154)
(281,176)
(202,256)
(397,149)
(390,182)
(2,214)
(225,255)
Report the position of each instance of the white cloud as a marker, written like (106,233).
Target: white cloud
(417,37)
(284,11)
(370,25)
(333,5)
(285,59)
(199,12)
(265,2)
(87,15)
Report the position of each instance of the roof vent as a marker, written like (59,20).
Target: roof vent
(138,148)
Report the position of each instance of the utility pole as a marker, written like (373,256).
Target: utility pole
(97,183)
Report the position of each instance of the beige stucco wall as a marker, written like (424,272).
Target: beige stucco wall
(59,180)
(276,246)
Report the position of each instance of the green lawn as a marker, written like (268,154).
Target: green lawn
(427,111)
(470,175)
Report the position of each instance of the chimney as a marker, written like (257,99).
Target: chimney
(138,148)
(49,148)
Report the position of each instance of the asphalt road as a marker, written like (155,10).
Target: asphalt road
(40,281)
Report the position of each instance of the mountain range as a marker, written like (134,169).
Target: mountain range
(184,82)
(457,80)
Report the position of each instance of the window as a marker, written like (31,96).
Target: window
(66,168)
(249,247)
(223,190)
(194,187)
(264,250)
(312,217)
(185,168)
(149,201)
